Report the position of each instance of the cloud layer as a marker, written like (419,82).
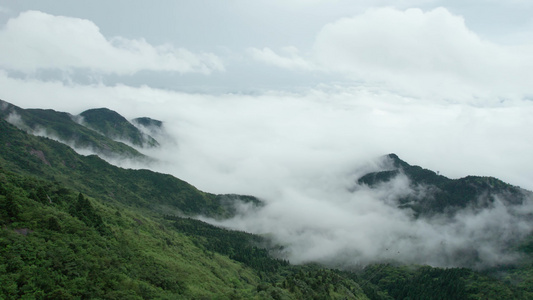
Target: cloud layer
(321,129)
(301,153)
(35,40)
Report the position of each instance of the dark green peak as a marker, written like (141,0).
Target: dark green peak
(436,194)
(397,162)
(66,128)
(393,156)
(5,105)
(147,122)
(50,114)
(116,127)
(102,114)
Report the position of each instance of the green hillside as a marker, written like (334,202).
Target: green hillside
(76,227)
(54,161)
(59,245)
(113,125)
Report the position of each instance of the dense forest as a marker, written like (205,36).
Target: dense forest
(76,227)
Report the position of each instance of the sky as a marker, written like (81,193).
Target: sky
(291,100)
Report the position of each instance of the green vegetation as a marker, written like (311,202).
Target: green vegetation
(240,246)
(402,282)
(69,246)
(116,127)
(76,227)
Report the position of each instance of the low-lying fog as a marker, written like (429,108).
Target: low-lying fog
(302,155)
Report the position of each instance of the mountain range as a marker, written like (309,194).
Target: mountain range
(101,131)
(437,194)
(75,226)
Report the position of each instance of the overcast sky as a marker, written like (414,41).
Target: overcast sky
(291,101)
(245,46)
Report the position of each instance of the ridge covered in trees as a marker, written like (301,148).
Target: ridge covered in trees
(442,195)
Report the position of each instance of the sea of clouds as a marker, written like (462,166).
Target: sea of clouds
(418,83)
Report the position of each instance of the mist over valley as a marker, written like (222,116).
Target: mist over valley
(345,213)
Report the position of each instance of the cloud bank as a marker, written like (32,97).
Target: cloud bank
(35,40)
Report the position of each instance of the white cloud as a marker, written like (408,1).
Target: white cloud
(423,52)
(292,60)
(35,40)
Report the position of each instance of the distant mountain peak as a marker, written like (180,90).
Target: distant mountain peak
(442,194)
(397,162)
(95,115)
(148,122)
(115,126)
(66,128)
